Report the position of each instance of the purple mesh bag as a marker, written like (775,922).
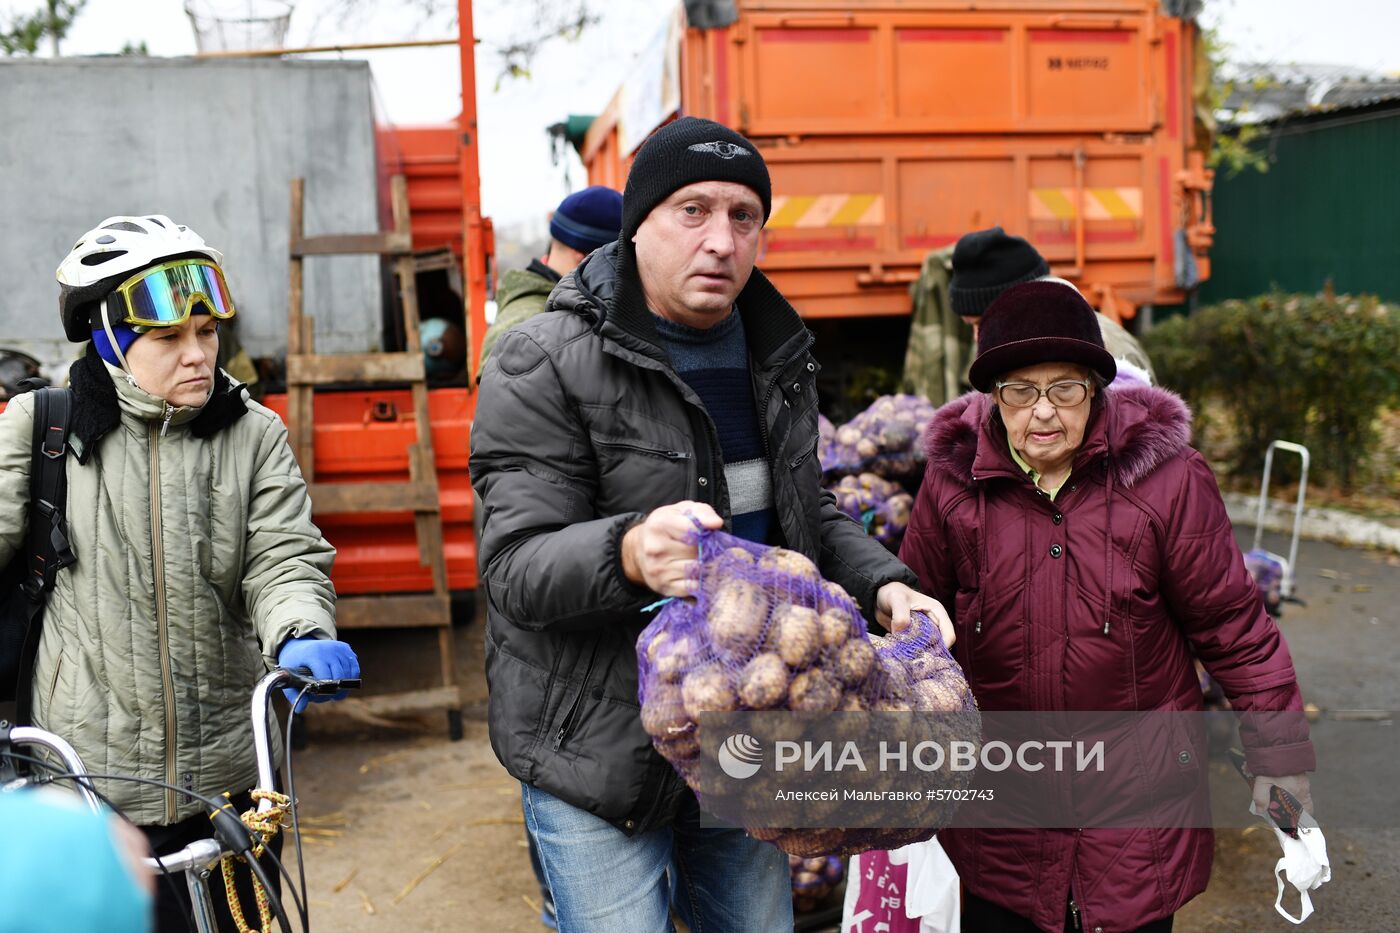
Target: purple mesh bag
(766,632)
(881,505)
(884,439)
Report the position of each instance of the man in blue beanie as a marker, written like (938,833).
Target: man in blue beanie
(582,222)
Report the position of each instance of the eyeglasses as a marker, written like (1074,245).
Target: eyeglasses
(1065,394)
(165,295)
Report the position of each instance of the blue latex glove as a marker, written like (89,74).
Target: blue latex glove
(327,660)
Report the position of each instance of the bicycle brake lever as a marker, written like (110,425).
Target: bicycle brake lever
(301,677)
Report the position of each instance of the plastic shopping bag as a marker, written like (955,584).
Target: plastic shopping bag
(1304,863)
(913,889)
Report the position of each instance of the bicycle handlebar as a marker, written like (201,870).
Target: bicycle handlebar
(28,735)
(284,677)
(198,858)
(280,677)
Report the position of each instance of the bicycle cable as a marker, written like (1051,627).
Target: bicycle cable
(296,826)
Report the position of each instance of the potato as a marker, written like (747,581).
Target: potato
(835,595)
(928,664)
(733,564)
(836,627)
(899,506)
(663,713)
(736,616)
(896,435)
(763,683)
(654,646)
(708,689)
(851,703)
(674,657)
(867,448)
(848,435)
(789,562)
(854,661)
(931,696)
(683,746)
(736,553)
(814,691)
(811,842)
(892,705)
(794,633)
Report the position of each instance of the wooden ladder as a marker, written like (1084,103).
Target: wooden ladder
(307,369)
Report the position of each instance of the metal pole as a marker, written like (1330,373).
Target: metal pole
(1302,452)
(201,900)
(1263,496)
(473,227)
(308,49)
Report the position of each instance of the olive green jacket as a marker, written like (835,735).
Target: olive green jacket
(196,559)
(520,296)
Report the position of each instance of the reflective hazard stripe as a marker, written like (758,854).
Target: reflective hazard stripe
(798,211)
(1099,203)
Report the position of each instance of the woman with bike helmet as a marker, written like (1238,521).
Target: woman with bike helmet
(198,565)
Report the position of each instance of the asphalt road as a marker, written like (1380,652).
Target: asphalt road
(1346,646)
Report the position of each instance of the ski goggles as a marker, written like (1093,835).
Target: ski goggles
(166,294)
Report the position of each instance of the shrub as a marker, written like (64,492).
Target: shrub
(1313,369)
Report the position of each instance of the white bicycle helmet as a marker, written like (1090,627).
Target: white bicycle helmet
(109,253)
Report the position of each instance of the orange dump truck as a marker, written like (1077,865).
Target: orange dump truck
(892,127)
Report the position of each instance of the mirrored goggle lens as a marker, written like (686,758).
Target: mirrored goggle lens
(165,295)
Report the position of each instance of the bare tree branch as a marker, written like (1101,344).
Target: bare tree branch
(535,23)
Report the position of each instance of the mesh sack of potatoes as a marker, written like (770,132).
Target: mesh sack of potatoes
(880,505)
(765,632)
(884,439)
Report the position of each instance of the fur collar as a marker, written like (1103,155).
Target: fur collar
(1144,426)
(96,411)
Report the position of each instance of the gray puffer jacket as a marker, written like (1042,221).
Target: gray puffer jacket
(582,427)
(197,558)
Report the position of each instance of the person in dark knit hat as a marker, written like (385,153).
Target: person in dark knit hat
(583,221)
(1085,551)
(987,262)
(670,384)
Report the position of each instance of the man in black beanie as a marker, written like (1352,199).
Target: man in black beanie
(988,262)
(671,386)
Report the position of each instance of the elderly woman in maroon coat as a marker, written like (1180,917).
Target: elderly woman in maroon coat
(1084,552)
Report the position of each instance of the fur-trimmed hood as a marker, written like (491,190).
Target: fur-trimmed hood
(1141,427)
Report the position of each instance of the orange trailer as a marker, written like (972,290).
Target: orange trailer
(892,127)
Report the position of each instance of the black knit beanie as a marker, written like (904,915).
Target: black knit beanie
(986,263)
(682,153)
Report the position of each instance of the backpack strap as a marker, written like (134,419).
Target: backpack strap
(49,548)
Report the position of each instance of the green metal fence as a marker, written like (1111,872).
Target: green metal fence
(1327,208)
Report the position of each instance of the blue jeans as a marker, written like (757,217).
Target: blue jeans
(603,881)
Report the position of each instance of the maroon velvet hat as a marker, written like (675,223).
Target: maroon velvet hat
(1038,322)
